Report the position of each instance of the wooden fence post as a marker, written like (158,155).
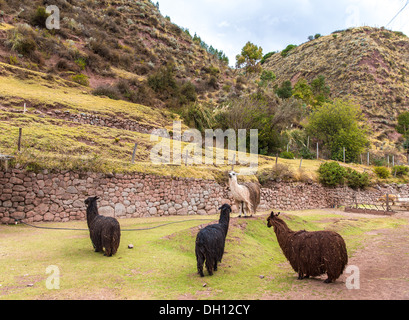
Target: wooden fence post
(20,133)
(134,153)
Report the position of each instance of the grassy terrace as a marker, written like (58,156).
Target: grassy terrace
(163,263)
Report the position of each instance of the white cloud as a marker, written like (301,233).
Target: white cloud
(223,24)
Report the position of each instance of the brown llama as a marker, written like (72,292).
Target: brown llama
(311,254)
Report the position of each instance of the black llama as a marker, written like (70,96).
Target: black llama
(210,242)
(105,232)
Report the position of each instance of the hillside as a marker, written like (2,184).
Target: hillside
(114,46)
(368,64)
(116,70)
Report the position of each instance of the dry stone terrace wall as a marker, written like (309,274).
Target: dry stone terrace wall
(59,197)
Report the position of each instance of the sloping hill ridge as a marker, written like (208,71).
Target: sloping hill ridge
(108,41)
(368,64)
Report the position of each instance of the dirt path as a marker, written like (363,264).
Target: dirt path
(383,272)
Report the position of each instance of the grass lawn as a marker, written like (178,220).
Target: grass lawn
(162,264)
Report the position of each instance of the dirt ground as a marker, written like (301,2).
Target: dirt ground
(383,265)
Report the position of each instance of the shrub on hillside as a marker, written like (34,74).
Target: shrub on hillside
(287,155)
(106,91)
(287,50)
(356,180)
(285,91)
(82,79)
(39,17)
(268,55)
(331,174)
(400,171)
(21,40)
(279,172)
(382,172)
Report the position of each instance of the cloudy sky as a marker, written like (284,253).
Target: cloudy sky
(273,24)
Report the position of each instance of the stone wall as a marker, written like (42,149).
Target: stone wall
(59,197)
(96,120)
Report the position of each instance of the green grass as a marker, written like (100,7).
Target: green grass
(162,264)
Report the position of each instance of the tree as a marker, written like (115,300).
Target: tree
(320,90)
(266,78)
(287,50)
(403,123)
(249,57)
(338,125)
(302,90)
(285,91)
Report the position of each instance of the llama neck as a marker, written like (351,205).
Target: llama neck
(92,213)
(282,231)
(224,222)
(234,186)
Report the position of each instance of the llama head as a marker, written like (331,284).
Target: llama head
(225,208)
(271,219)
(91,200)
(233,175)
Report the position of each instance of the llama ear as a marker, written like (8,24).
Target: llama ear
(278,214)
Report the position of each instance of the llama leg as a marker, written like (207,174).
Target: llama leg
(200,268)
(215,266)
(108,252)
(209,267)
(245,208)
(301,276)
(200,261)
(240,205)
(328,281)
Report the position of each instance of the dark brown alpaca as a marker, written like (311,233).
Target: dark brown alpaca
(105,232)
(311,254)
(210,242)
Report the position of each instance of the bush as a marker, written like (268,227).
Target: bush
(21,40)
(107,91)
(287,155)
(287,50)
(356,180)
(285,91)
(163,81)
(82,79)
(382,172)
(268,55)
(279,172)
(188,92)
(39,17)
(307,154)
(400,171)
(331,174)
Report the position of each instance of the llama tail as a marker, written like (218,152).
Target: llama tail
(112,238)
(200,257)
(116,239)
